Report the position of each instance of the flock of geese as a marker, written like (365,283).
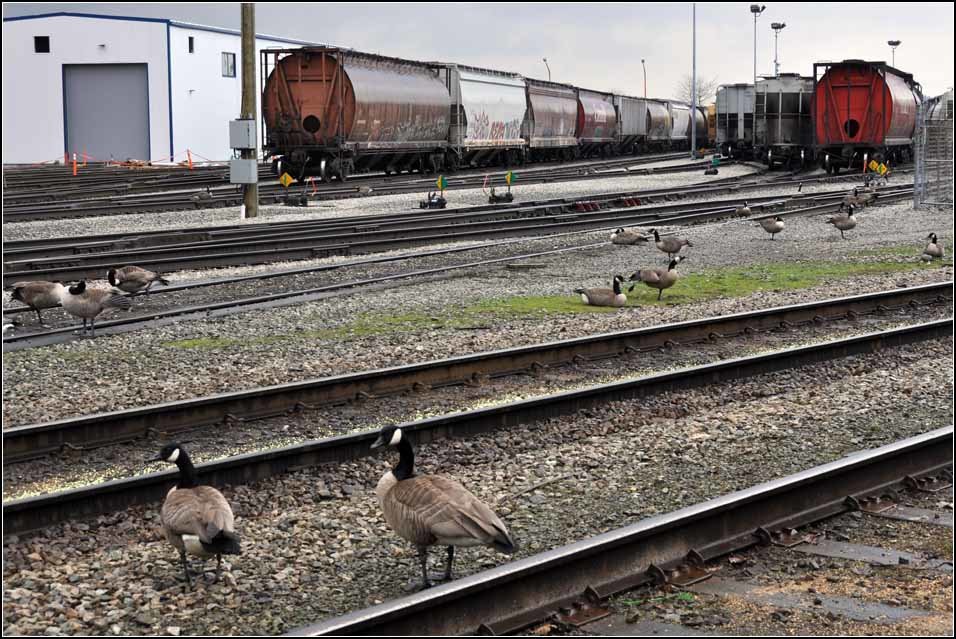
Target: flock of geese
(84,302)
(425,510)
(664,278)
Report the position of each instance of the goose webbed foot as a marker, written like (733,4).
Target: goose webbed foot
(451,559)
(189,581)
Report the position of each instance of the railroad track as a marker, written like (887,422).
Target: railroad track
(336,237)
(271,192)
(568,585)
(22,443)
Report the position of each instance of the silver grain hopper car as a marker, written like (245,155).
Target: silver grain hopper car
(784,130)
(735,120)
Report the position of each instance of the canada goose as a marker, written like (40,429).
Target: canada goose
(659,278)
(202,196)
(429,510)
(87,303)
(670,245)
(196,519)
(628,237)
(844,221)
(604,296)
(772,225)
(38,295)
(933,250)
(9,324)
(743,210)
(133,279)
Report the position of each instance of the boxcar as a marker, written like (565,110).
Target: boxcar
(330,112)
(486,113)
(550,120)
(863,110)
(784,123)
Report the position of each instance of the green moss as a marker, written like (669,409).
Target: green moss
(691,288)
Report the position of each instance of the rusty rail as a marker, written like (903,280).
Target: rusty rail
(24,442)
(514,595)
(33,513)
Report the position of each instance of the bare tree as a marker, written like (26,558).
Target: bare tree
(706,90)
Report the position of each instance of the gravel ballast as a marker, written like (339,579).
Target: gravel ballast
(256,348)
(316,544)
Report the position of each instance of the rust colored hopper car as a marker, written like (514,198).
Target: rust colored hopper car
(863,111)
(331,112)
(550,121)
(597,123)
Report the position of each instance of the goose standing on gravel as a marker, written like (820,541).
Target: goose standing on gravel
(933,250)
(628,237)
(659,278)
(430,510)
(38,295)
(604,296)
(772,225)
(844,221)
(9,324)
(670,244)
(87,303)
(133,279)
(196,519)
(743,210)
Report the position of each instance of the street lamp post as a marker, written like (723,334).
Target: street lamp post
(693,86)
(756,9)
(645,78)
(893,44)
(777,28)
(549,68)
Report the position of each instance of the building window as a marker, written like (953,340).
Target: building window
(41,44)
(228,65)
(192,44)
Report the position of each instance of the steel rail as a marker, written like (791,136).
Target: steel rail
(275,193)
(341,240)
(24,442)
(514,595)
(32,513)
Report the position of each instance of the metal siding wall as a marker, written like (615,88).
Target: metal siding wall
(106,109)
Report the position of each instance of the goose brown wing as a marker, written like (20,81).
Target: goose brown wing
(433,506)
(200,511)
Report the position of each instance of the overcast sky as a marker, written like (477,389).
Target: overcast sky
(599,45)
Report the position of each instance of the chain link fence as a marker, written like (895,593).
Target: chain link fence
(934,153)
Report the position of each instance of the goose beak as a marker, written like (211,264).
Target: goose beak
(378,443)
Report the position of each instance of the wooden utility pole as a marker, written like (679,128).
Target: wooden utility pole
(250,191)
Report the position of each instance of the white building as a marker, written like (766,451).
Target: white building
(118,87)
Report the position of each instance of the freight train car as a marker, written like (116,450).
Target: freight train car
(643,124)
(680,125)
(487,110)
(784,123)
(597,123)
(735,120)
(550,121)
(711,124)
(863,110)
(330,112)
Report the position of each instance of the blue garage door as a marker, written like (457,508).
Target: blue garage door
(106,109)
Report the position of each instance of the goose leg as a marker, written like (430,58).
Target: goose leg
(423,558)
(182,557)
(39,317)
(93,327)
(660,292)
(451,558)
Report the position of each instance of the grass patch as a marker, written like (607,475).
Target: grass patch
(691,288)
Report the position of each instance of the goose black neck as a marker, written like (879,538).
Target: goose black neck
(187,472)
(617,286)
(406,460)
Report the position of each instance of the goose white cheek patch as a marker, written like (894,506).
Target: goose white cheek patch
(172,458)
(396,437)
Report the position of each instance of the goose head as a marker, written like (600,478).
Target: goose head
(78,288)
(657,236)
(111,276)
(931,237)
(169,453)
(390,435)
(674,262)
